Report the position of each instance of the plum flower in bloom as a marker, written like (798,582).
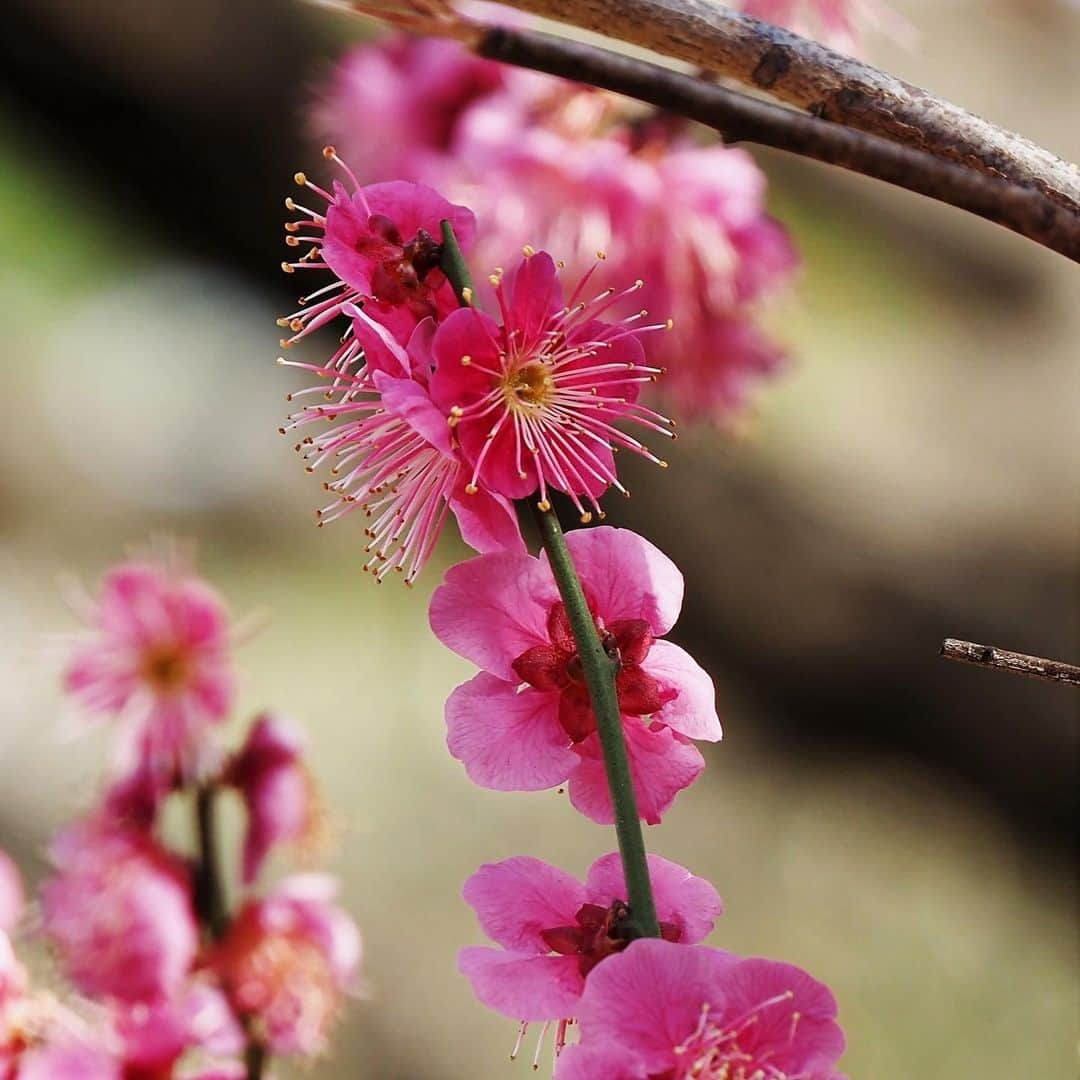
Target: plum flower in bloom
(533,400)
(276,788)
(137,939)
(286,962)
(554,930)
(525,723)
(394,457)
(660,1012)
(382,245)
(157,659)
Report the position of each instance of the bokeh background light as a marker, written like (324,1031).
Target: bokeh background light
(899,826)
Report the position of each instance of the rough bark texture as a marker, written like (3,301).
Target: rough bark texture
(1035,667)
(739,117)
(824,83)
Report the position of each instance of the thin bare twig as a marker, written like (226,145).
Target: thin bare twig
(739,117)
(1035,667)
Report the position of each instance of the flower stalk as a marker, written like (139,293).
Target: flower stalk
(210,903)
(453,265)
(599,669)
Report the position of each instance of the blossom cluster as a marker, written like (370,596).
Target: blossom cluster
(429,406)
(576,170)
(167,983)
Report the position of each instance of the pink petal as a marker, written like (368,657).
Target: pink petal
(798,1033)
(608,1059)
(412,207)
(693,712)
(533,294)
(466,332)
(648,998)
(410,401)
(516,899)
(488,523)
(661,762)
(688,902)
(523,986)
(491,609)
(627,577)
(506,740)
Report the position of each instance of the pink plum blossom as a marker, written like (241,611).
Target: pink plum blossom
(276,788)
(118,912)
(286,962)
(532,399)
(524,723)
(659,1012)
(395,458)
(158,660)
(381,244)
(553,930)
(12,898)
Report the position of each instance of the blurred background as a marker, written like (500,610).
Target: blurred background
(900,826)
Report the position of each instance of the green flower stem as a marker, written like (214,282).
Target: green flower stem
(454,266)
(600,670)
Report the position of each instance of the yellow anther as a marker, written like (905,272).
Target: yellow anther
(470,489)
(466,360)
(300,178)
(329,153)
(528,251)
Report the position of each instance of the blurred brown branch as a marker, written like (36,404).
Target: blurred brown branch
(1035,667)
(739,117)
(826,84)
(855,117)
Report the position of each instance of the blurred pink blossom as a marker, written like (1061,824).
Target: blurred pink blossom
(524,723)
(573,170)
(553,931)
(286,962)
(158,661)
(658,1010)
(835,23)
(118,911)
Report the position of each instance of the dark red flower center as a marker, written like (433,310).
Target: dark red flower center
(598,932)
(403,269)
(557,666)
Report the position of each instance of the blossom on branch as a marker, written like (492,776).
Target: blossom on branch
(525,722)
(659,1011)
(118,912)
(287,961)
(534,400)
(554,930)
(157,660)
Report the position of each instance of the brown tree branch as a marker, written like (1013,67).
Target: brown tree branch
(739,117)
(824,83)
(1035,667)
